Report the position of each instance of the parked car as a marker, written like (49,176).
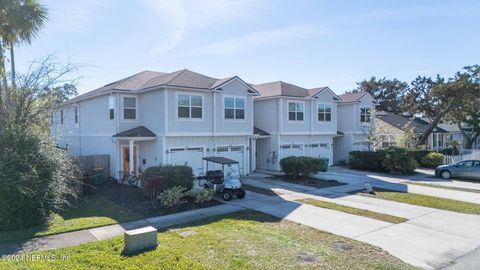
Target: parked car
(464,169)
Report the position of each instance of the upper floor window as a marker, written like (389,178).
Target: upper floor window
(365,114)
(295,111)
(111,107)
(234,108)
(189,106)
(324,112)
(130,108)
(76,115)
(61,117)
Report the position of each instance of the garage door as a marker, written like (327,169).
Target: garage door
(188,156)
(232,152)
(288,150)
(322,150)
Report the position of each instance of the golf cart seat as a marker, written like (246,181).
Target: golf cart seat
(215,176)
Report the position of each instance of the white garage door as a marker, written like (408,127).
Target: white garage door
(188,156)
(288,150)
(232,152)
(322,150)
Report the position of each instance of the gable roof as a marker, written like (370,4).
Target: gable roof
(405,122)
(280,88)
(316,91)
(352,97)
(151,79)
(139,131)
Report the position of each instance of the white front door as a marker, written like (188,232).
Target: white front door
(188,156)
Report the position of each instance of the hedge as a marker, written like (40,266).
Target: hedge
(296,167)
(419,154)
(173,176)
(433,160)
(398,161)
(367,160)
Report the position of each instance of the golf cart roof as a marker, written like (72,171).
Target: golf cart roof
(221,160)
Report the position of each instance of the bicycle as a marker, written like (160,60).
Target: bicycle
(131,179)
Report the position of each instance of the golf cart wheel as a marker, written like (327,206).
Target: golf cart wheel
(227,195)
(241,193)
(446,175)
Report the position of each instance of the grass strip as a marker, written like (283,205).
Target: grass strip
(441,186)
(354,211)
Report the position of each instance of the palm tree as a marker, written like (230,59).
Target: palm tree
(20,22)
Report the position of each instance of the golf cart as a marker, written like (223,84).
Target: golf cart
(226,181)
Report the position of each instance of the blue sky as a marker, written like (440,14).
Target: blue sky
(308,43)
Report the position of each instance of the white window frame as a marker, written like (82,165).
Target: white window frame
(190,106)
(331,112)
(369,114)
(112,101)
(234,108)
(123,108)
(288,111)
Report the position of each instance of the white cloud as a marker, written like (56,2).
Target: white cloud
(181,16)
(260,38)
(74,16)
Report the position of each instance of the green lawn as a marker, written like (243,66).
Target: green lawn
(427,201)
(440,186)
(242,240)
(91,211)
(354,211)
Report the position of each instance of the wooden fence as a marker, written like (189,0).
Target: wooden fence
(449,159)
(87,163)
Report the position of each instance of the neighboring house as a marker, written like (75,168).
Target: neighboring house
(294,121)
(159,118)
(393,128)
(356,122)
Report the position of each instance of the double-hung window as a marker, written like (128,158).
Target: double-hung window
(189,106)
(129,108)
(111,107)
(324,112)
(234,108)
(295,111)
(365,114)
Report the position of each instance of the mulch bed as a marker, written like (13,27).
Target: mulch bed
(311,182)
(137,200)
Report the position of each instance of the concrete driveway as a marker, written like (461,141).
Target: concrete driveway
(430,239)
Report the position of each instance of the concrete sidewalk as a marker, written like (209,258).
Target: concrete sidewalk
(382,180)
(432,238)
(106,232)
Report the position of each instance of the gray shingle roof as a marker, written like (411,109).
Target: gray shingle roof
(314,91)
(352,97)
(280,88)
(260,132)
(139,131)
(148,79)
(405,122)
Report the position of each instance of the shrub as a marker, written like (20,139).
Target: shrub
(398,161)
(433,160)
(172,196)
(201,196)
(449,151)
(295,167)
(367,160)
(173,176)
(418,155)
(36,178)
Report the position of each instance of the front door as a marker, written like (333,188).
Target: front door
(126,159)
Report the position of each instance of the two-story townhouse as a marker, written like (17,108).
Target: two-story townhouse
(160,118)
(299,121)
(356,122)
